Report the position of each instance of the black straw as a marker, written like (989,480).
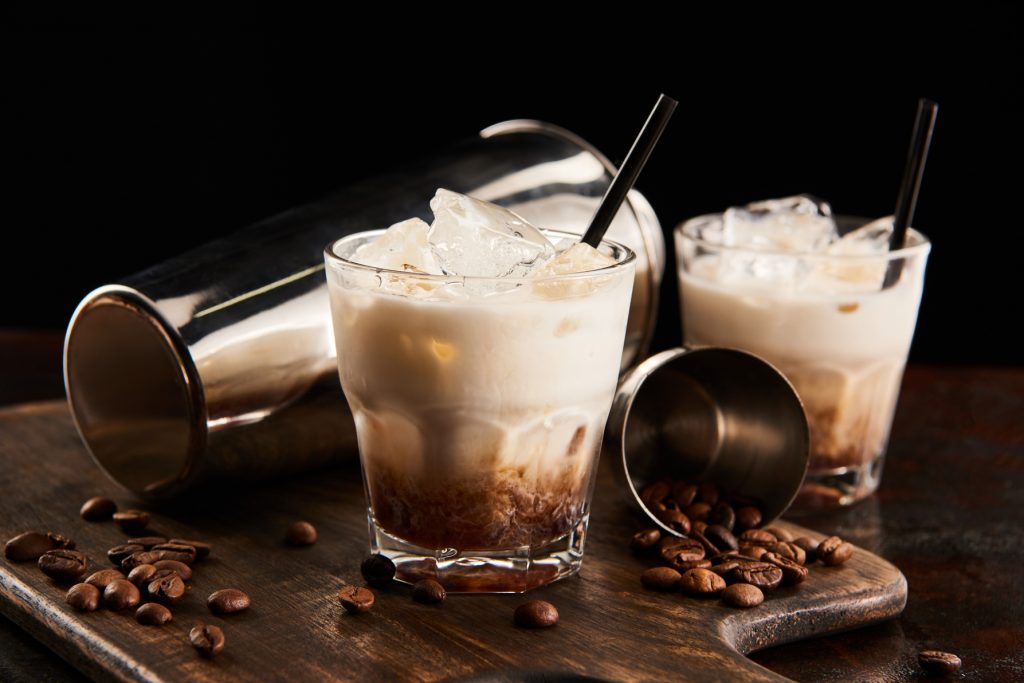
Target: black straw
(906,201)
(623,181)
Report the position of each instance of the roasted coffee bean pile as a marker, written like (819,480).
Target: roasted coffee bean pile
(151,572)
(723,551)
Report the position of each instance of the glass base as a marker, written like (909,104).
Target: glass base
(514,570)
(825,489)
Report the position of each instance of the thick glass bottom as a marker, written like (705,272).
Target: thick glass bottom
(512,570)
(839,486)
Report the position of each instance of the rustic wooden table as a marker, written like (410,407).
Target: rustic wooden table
(949,515)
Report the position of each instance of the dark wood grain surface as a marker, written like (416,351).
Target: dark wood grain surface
(948,514)
(297,630)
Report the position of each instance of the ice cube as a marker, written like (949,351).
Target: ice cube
(579,258)
(795,224)
(402,247)
(871,238)
(856,274)
(470,237)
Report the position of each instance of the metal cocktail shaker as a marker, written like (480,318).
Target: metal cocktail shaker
(221,360)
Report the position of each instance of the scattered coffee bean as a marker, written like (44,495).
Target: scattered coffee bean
(120,594)
(645,540)
(699,512)
(378,570)
(207,640)
(536,614)
(791,551)
(83,597)
(834,551)
(179,568)
(30,545)
(101,578)
(428,591)
(142,574)
(119,553)
(810,548)
(98,509)
(153,614)
(701,582)
(175,551)
(938,663)
(675,520)
(707,493)
(723,515)
(139,557)
(663,579)
(201,547)
(758,537)
(170,589)
(780,533)
(300,533)
(742,595)
(764,575)
(356,599)
(710,549)
(753,552)
(63,564)
(748,517)
(228,601)
(132,521)
(792,572)
(721,537)
(147,542)
(684,493)
(725,568)
(684,550)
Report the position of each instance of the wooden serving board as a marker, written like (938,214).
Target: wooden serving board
(610,627)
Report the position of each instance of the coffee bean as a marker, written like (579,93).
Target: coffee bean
(724,569)
(428,591)
(207,640)
(723,515)
(791,551)
(378,570)
(780,533)
(98,509)
(698,525)
(764,575)
(139,557)
(707,493)
(686,550)
(710,549)
(684,493)
(655,493)
(147,542)
(153,614)
(101,578)
(119,553)
(83,597)
(748,517)
(202,548)
(300,533)
(536,614)
(684,565)
(645,540)
(810,548)
(701,582)
(31,544)
(698,512)
(742,595)
(120,594)
(179,568)
(356,599)
(663,579)
(834,551)
(792,572)
(758,537)
(753,552)
(142,574)
(675,520)
(938,663)
(132,521)
(721,537)
(62,564)
(175,551)
(228,601)
(170,589)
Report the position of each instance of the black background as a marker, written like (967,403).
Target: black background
(122,146)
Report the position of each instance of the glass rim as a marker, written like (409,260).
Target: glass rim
(335,260)
(684,230)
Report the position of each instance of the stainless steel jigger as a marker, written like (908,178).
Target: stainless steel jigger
(711,414)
